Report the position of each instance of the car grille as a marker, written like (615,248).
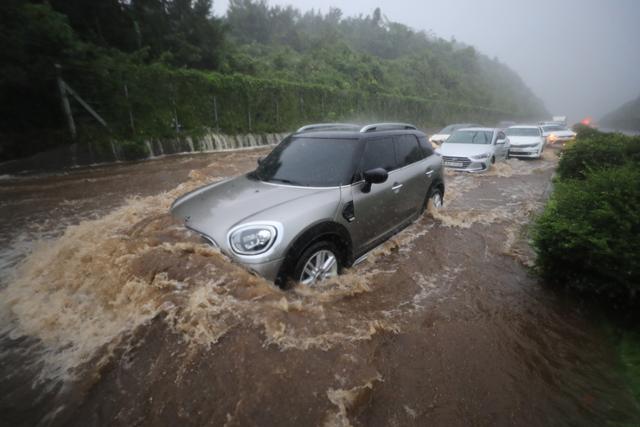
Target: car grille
(464,160)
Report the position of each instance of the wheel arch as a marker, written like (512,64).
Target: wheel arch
(326,230)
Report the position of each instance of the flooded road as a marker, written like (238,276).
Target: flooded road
(113,314)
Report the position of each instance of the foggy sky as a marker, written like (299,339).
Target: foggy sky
(581,57)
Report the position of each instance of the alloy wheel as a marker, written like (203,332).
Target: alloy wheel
(320,266)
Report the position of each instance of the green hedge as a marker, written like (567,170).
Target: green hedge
(240,104)
(597,151)
(587,237)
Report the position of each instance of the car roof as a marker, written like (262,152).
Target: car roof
(524,127)
(356,135)
(480,129)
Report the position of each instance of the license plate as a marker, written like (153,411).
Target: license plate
(453,164)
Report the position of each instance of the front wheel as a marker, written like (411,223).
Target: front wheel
(318,262)
(437,198)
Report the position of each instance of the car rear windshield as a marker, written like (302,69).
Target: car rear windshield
(310,162)
(470,137)
(522,132)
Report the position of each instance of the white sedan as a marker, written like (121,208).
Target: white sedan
(474,149)
(440,137)
(526,141)
(557,133)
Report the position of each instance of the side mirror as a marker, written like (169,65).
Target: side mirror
(501,141)
(374,176)
(260,160)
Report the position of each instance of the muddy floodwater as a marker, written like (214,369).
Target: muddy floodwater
(113,314)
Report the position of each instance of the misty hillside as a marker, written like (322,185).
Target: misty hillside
(627,117)
(370,53)
(154,68)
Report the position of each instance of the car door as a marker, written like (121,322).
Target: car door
(374,211)
(501,148)
(410,181)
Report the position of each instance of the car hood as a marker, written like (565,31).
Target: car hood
(524,140)
(464,150)
(214,209)
(559,133)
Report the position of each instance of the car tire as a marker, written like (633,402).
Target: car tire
(310,260)
(436,198)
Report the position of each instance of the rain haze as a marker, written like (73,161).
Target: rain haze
(319,213)
(580,57)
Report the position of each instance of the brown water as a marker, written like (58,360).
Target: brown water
(112,314)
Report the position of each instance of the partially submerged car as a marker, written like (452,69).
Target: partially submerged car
(474,149)
(442,136)
(556,133)
(525,141)
(323,198)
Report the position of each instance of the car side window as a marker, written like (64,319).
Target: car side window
(379,153)
(426,146)
(407,150)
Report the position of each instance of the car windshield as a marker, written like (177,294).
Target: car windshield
(553,128)
(471,137)
(311,162)
(522,132)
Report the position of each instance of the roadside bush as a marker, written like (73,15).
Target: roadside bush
(584,131)
(132,150)
(598,151)
(587,237)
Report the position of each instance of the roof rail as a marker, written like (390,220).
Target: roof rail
(328,126)
(387,126)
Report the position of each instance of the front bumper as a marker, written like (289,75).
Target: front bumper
(268,269)
(560,140)
(530,152)
(465,164)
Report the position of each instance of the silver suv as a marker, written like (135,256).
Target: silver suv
(320,201)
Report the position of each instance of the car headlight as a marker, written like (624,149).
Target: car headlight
(481,156)
(253,239)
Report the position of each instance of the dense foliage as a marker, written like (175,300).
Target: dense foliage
(149,67)
(586,239)
(598,151)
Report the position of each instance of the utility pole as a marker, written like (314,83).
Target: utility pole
(66,107)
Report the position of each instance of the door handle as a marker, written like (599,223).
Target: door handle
(429,173)
(396,187)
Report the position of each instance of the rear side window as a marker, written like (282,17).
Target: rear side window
(407,150)
(426,146)
(379,153)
